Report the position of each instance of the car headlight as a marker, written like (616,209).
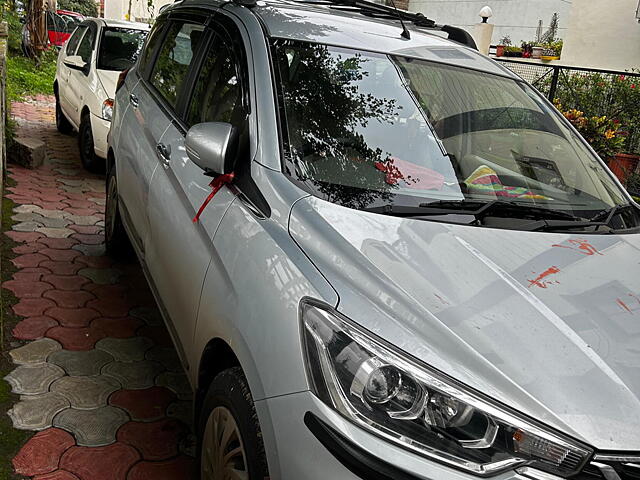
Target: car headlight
(107,109)
(396,397)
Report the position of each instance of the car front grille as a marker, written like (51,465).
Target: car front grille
(611,467)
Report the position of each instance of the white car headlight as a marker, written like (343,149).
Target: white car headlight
(107,109)
(396,397)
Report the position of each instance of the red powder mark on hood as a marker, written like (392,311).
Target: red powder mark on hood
(582,246)
(538,281)
(623,305)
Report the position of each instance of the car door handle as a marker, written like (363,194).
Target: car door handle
(164,154)
(133,100)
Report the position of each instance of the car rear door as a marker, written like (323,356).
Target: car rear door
(181,249)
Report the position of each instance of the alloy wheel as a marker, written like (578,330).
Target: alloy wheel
(223,456)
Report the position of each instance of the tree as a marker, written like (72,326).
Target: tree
(552,32)
(88,8)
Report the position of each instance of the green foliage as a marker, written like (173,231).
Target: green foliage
(25,77)
(615,97)
(552,32)
(506,40)
(601,132)
(15,29)
(88,8)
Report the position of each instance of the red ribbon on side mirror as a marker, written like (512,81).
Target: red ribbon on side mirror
(216,184)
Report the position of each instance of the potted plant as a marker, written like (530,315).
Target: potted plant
(536,51)
(527,50)
(502,43)
(512,51)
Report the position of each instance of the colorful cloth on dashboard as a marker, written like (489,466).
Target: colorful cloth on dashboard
(485,180)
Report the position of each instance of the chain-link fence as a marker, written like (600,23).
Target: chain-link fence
(595,92)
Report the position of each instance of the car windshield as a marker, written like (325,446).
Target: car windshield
(119,48)
(367,130)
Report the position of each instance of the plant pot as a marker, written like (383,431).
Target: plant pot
(537,52)
(623,165)
(499,50)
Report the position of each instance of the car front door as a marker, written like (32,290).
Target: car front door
(78,78)
(181,249)
(64,71)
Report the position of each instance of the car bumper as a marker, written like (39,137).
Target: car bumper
(306,439)
(100,129)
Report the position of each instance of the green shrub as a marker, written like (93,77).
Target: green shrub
(25,78)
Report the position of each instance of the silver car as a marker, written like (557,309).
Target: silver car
(380,254)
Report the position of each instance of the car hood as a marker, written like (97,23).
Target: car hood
(546,323)
(109,79)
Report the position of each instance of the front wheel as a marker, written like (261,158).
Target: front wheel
(116,239)
(90,160)
(62,124)
(229,435)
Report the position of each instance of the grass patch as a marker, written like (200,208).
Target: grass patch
(10,439)
(26,78)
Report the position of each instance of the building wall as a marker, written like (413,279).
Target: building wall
(118,9)
(603,34)
(516,18)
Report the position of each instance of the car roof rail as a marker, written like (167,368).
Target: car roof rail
(378,10)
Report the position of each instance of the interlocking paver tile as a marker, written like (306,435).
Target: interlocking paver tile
(41,454)
(73,317)
(79,363)
(91,250)
(29,260)
(176,382)
(166,434)
(36,412)
(27,289)
(113,307)
(33,328)
(69,299)
(151,316)
(32,247)
(126,349)
(60,255)
(85,393)
(34,352)
(57,475)
(55,232)
(167,356)
(92,428)
(179,468)
(103,463)
(124,327)
(144,405)
(24,236)
(33,379)
(103,276)
(62,268)
(59,243)
(76,338)
(65,282)
(134,375)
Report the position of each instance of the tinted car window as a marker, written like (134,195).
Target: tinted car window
(217,96)
(150,46)
(72,44)
(86,46)
(172,64)
(119,48)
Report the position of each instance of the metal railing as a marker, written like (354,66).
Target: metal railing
(595,92)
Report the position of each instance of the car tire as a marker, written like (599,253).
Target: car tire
(228,404)
(62,124)
(117,242)
(90,161)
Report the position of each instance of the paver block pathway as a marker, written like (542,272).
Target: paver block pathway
(97,377)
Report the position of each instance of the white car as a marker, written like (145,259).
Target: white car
(88,68)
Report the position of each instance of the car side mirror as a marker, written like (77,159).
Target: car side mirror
(213,146)
(75,62)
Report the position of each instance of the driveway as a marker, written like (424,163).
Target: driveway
(95,373)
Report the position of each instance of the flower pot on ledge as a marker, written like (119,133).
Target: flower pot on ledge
(623,165)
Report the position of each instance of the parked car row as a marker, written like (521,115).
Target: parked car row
(380,254)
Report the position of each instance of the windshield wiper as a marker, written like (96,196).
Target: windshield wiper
(611,212)
(474,208)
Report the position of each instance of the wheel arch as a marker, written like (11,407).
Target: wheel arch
(216,357)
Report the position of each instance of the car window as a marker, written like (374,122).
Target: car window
(155,36)
(217,96)
(119,48)
(72,44)
(172,64)
(86,46)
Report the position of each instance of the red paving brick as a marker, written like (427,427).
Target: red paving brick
(33,327)
(117,327)
(32,247)
(67,299)
(25,289)
(41,454)
(112,307)
(60,255)
(66,282)
(73,317)
(24,236)
(88,239)
(93,262)
(76,338)
(30,274)
(154,440)
(148,404)
(100,463)
(31,307)
(62,268)
(59,243)
(29,260)
(57,475)
(180,468)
